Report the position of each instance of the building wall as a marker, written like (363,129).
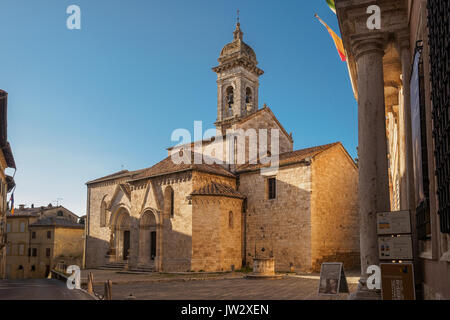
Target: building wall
(98,236)
(263,120)
(334,209)
(67,246)
(177,229)
(435,252)
(16,257)
(281,226)
(216,241)
(3,209)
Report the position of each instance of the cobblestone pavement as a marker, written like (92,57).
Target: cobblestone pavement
(39,289)
(293,287)
(121,277)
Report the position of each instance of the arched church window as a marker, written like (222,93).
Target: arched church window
(248,95)
(230,100)
(169,201)
(103,214)
(230,219)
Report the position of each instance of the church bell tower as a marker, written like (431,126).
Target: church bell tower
(237,82)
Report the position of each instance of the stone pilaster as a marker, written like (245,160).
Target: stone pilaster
(373,192)
(403,45)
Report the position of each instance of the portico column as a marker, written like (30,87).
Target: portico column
(405,56)
(373,190)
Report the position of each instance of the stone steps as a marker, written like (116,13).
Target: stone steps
(113,266)
(144,269)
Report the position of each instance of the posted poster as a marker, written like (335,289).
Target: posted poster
(393,222)
(395,248)
(397,281)
(332,279)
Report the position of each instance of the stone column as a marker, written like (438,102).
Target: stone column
(405,56)
(373,191)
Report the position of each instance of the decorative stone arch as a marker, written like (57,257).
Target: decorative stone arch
(229,99)
(120,239)
(103,212)
(169,202)
(149,238)
(248,95)
(116,211)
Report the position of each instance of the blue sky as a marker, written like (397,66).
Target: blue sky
(84,103)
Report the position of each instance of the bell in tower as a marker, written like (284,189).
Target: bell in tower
(237,82)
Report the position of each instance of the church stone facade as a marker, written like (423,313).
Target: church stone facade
(218,217)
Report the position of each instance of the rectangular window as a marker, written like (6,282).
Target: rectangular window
(33,235)
(21,249)
(47,252)
(8,227)
(22,227)
(438,22)
(49,234)
(8,249)
(272,188)
(34,252)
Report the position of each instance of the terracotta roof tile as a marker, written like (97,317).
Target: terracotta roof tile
(217,189)
(290,157)
(122,173)
(167,166)
(56,222)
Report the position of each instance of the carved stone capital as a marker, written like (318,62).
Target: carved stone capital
(366,43)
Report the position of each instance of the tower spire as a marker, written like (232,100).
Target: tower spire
(238,34)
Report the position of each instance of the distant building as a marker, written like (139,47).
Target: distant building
(41,238)
(6,182)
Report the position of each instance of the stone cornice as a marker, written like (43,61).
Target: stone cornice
(352,17)
(241,62)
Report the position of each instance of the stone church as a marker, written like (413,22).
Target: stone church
(179,217)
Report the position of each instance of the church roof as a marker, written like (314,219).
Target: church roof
(57,222)
(168,166)
(217,189)
(116,175)
(291,157)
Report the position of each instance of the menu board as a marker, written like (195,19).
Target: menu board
(332,279)
(395,248)
(397,281)
(393,222)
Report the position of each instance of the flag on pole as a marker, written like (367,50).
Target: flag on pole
(337,40)
(331,5)
(12,203)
